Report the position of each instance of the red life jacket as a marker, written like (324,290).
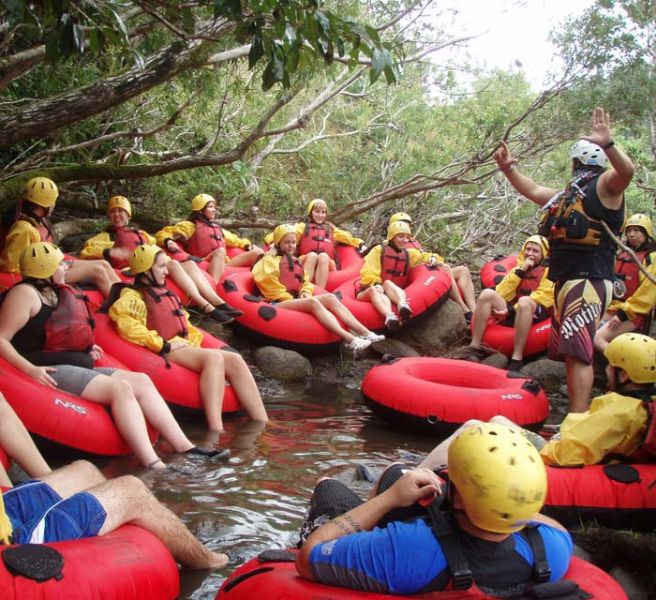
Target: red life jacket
(530,282)
(413,243)
(627,269)
(208,236)
(395,265)
(292,274)
(317,238)
(165,313)
(649,443)
(128,238)
(70,325)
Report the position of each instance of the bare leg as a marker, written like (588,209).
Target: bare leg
(245,259)
(380,301)
(5,482)
(325,317)
(325,264)
(73,478)
(525,310)
(208,363)
(488,301)
(394,293)
(309,262)
(127,500)
(154,409)
(217,264)
(580,376)
(129,419)
(241,379)
(464,283)
(98,272)
(17,443)
(439,455)
(333,304)
(205,289)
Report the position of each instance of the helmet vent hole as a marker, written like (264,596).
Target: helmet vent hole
(493,433)
(493,449)
(511,462)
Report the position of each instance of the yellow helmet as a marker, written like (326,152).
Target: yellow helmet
(400,216)
(200,201)
(640,220)
(636,354)
(397,227)
(541,241)
(313,203)
(119,202)
(500,477)
(41,191)
(143,258)
(281,231)
(40,260)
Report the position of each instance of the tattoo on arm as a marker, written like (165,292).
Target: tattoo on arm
(347,524)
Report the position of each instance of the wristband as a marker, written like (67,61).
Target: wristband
(609,144)
(509,169)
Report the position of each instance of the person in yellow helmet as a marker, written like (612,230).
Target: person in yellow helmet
(488,529)
(149,315)
(32,225)
(462,287)
(634,296)
(385,274)
(119,240)
(523,297)
(315,242)
(202,236)
(46,331)
(281,278)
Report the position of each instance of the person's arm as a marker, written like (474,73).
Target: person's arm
(418,257)
(95,247)
(348,239)
(20,236)
(406,491)
(544,294)
(232,240)
(370,271)
(643,300)
(507,287)
(129,314)
(522,183)
(180,231)
(266,273)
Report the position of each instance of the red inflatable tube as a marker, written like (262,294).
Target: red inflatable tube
(4,459)
(349,264)
(178,385)
(270,324)
(495,270)
(502,337)
(62,418)
(437,395)
(614,495)
(280,581)
(127,563)
(427,291)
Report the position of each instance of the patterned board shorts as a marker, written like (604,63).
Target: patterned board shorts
(580,304)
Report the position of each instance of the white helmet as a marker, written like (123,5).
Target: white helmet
(588,154)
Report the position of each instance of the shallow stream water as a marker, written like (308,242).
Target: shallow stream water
(257,499)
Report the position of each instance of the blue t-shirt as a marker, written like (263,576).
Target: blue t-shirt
(404,557)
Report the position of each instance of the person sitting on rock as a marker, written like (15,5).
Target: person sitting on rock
(203,237)
(46,332)
(280,278)
(76,502)
(491,533)
(631,307)
(32,224)
(146,313)
(523,297)
(119,240)
(386,272)
(315,242)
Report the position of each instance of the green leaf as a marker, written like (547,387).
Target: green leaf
(373,34)
(230,9)
(273,73)
(390,75)
(323,22)
(256,52)
(340,47)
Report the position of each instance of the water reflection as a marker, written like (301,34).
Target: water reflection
(257,499)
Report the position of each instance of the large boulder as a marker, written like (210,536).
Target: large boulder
(550,374)
(395,348)
(432,335)
(284,365)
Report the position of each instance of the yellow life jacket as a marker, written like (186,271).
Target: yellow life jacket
(5,524)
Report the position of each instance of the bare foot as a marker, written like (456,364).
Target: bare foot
(217,560)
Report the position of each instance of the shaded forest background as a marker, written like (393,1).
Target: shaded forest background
(266,104)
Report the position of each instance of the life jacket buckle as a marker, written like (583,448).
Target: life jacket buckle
(462,579)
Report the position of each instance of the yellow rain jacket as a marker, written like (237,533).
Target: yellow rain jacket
(182,231)
(129,314)
(614,424)
(542,295)
(266,273)
(20,236)
(643,300)
(341,236)
(5,524)
(370,272)
(96,245)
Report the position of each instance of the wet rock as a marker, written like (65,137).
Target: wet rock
(550,374)
(395,348)
(284,365)
(630,583)
(433,334)
(498,360)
